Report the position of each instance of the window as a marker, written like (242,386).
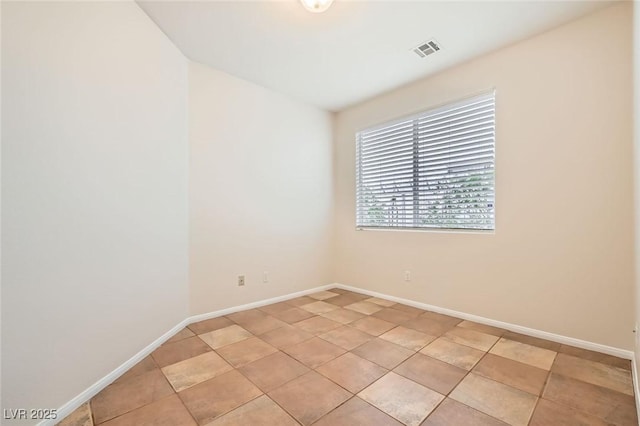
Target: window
(431,170)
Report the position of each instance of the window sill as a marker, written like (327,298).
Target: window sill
(432,230)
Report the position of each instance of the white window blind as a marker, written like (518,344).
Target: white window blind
(431,170)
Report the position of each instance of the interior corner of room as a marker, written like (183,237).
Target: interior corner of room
(144,189)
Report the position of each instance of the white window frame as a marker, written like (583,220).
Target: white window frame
(478,216)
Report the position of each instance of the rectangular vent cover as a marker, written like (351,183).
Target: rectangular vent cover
(427,48)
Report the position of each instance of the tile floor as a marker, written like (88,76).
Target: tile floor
(342,358)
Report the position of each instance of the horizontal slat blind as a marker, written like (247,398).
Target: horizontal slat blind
(432,170)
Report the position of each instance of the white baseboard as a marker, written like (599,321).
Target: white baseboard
(87,394)
(93,390)
(609,350)
(258,304)
(636,387)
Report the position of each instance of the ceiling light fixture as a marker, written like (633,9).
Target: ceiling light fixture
(316,6)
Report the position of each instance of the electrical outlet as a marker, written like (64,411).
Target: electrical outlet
(240,280)
(407,276)
(265,277)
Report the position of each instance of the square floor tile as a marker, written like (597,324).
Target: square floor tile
(383,353)
(274,308)
(366,308)
(445,350)
(192,371)
(255,321)
(285,336)
(246,351)
(357,412)
(314,352)
(513,373)
(533,341)
(441,318)
(344,300)
(381,302)
(503,402)
(309,397)
(179,351)
(608,376)
(428,326)
(259,326)
(359,296)
(273,371)
(596,356)
(453,413)
(218,396)
(182,334)
(166,411)
(292,315)
(261,411)
(346,337)
(486,329)
(249,315)
(212,324)
(119,398)
(147,364)
(299,301)
(225,336)
(408,338)
(323,295)
(317,325)
(551,413)
(372,326)
(611,406)
(532,355)
(393,315)
(351,372)
(414,312)
(319,307)
(401,398)
(343,316)
(429,372)
(472,338)
(81,416)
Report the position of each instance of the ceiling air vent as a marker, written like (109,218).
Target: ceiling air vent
(427,48)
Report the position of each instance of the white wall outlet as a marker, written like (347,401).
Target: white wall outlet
(265,277)
(240,280)
(407,276)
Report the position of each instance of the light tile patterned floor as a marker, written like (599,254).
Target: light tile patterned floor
(342,358)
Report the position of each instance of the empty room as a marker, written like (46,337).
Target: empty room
(320,212)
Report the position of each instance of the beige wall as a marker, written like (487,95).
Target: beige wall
(94,195)
(260,192)
(561,256)
(94,170)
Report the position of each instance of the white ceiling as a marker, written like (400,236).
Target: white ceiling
(355,50)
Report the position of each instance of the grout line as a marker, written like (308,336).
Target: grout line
(93,420)
(91,414)
(587,383)
(396,325)
(187,408)
(285,410)
(149,403)
(135,409)
(281,407)
(539,334)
